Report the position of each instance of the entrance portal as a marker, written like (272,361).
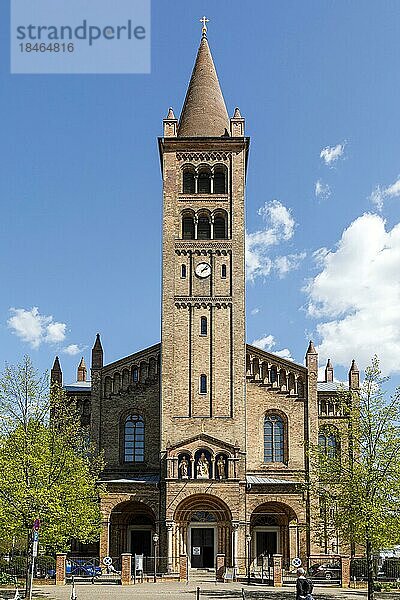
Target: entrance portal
(202,547)
(141,542)
(266,543)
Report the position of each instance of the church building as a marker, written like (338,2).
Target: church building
(204,436)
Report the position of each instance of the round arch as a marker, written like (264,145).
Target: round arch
(132,524)
(271,533)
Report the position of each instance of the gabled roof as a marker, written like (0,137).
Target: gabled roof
(204,112)
(202,437)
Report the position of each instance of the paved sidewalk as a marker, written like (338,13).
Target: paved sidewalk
(183,591)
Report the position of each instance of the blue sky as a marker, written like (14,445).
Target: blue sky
(80,187)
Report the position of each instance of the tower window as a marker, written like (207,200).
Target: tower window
(219,228)
(183,271)
(134,439)
(328,441)
(219,183)
(135,374)
(203,228)
(203,384)
(188,228)
(203,326)
(188,182)
(204,183)
(273,439)
(223,271)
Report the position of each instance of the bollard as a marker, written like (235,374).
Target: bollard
(73,591)
(243,596)
(197,593)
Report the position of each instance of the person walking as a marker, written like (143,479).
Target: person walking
(304,586)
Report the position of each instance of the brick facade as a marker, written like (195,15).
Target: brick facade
(204,483)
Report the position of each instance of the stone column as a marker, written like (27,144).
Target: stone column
(235,527)
(183,567)
(277,562)
(345,571)
(170,527)
(220,567)
(61,560)
(126,569)
(293,549)
(104,538)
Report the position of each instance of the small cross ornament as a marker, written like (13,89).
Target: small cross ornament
(204,20)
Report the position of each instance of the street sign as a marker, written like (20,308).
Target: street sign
(35,548)
(107,560)
(296,562)
(36,524)
(35,536)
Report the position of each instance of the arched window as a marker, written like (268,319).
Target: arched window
(223,271)
(188,182)
(203,326)
(183,271)
(135,374)
(134,439)
(204,183)
(219,182)
(274,439)
(328,441)
(274,374)
(203,228)
(219,227)
(188,227)
(203,384)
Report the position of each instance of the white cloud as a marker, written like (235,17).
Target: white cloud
(322,190)
(267,343)
(331,154)
(380,194)
(279,227)
(356,295)
(264,343)
(290,262)
(73,349)
(33,328)
(255,311)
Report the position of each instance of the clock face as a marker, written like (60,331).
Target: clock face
(203,270)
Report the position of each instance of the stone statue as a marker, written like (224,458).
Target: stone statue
(184,467)
(203,470)
(221,467)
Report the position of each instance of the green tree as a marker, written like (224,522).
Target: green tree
(360,485)
(47,464)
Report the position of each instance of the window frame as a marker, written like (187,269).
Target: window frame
(277,449)
(133,449)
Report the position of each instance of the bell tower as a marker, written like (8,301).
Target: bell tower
(203,163)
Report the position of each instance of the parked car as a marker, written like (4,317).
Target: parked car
(325,571)
(79,568)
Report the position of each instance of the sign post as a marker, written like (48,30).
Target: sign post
(35,543)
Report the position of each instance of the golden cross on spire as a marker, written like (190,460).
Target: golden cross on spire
(204,20)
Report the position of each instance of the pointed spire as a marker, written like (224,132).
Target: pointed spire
(354,367)
(354,376)
(311,348)
(236,114)
(56,373)
(204,112)
(329,371)
(82,371)
(170,114)
(97,354)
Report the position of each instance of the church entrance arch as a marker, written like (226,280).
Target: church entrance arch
(270,532)
(132,525)
(203,530)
